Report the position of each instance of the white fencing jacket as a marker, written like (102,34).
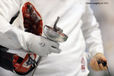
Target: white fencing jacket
(76,20)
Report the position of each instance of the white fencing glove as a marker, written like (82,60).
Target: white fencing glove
(42,46)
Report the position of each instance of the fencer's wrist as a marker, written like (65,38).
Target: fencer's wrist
(32,41)
(41,45)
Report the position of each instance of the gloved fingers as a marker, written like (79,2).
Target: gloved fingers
(54,44)
(49,42)
(55,50)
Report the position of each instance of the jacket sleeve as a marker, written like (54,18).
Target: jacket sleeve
(91,32)
(11,37)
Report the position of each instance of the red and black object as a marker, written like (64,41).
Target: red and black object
(32,19)
(33,24)
(24,66)
(15,63)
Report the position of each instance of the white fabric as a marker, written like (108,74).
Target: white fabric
(42,46)
(19,39)
(77,21)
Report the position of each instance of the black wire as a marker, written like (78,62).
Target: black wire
(38,61)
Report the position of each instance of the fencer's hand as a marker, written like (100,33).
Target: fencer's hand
(94,62)
(42,46)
